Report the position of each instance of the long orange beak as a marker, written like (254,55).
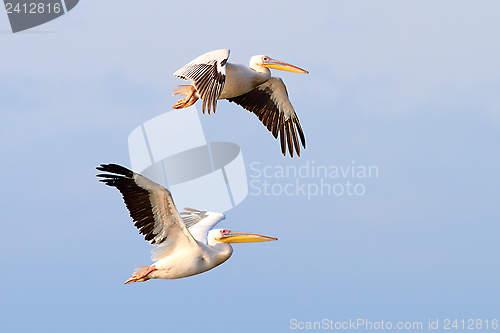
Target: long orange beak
(242,237)
(271,63)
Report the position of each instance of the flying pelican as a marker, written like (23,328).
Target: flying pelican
(187,244)
(251,87)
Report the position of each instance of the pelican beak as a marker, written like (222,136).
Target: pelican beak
(243,237)
(271,63)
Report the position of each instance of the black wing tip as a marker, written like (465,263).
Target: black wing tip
(116,172)
(267,111)
(288,137)
(291,150)
(299,129)
(116,169)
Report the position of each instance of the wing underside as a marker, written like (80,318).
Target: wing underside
(269,101)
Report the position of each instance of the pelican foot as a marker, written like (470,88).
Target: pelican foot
(184,103)
(141,275)
(187,91)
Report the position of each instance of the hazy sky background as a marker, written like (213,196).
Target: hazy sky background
(409,87)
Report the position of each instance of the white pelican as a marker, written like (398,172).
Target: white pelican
(187,245)
(251,87)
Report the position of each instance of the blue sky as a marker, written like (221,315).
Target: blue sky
(410,87)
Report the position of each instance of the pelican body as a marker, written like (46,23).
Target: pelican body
(253,88)
(242,79)
(187,263)
(186,243)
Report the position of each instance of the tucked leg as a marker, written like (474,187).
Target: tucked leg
(187,91)
(141,275)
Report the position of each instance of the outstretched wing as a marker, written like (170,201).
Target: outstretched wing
(208,74)
(200,222)
(269,101)
(150,206)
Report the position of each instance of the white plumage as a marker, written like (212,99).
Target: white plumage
(187,242)
(252,87)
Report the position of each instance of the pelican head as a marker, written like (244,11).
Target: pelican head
(228,236)
(268,62)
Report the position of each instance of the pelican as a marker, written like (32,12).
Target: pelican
(251,87)
(187,244)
